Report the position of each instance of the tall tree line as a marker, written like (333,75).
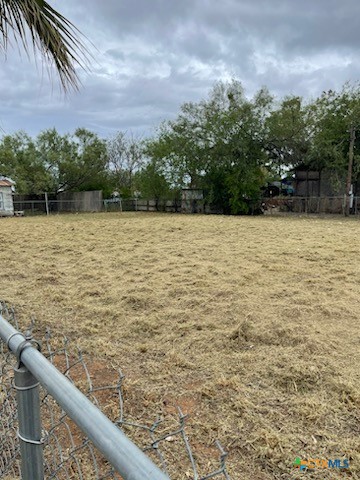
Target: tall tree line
(230,145)
(227,144)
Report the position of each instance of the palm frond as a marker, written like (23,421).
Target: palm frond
(37,23)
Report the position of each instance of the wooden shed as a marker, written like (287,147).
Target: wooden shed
(316,183)
(6,198)
(192,200)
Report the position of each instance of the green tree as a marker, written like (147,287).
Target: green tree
(236,170)
(76,162)
(289,129)
(217,145)
(336,144)
(334,113)
(36,23)
(20,160)
(53,162)
(152,183)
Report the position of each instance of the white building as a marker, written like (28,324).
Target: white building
(6,198)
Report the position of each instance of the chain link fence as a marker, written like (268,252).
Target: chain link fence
(311,205)
(285,205)
(68,453)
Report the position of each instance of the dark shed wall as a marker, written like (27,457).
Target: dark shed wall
(310,183)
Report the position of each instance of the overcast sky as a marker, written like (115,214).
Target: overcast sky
(153,55)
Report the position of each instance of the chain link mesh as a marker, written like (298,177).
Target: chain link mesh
(68,453)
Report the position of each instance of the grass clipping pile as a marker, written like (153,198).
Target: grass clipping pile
(250,325)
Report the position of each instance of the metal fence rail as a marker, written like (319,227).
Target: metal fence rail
(60,450)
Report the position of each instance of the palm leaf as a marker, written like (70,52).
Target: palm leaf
(57,38)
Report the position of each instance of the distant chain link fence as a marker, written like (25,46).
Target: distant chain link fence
(278,204)
(312,205)
(68,453)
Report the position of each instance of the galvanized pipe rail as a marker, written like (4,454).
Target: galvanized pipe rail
(30,432)
(127,459)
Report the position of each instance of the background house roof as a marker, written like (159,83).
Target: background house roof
(6,183)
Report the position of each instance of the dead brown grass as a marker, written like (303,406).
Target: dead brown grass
(250,324)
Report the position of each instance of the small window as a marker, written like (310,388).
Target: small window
(2,201)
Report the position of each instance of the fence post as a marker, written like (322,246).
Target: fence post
(31,444)
(46,203)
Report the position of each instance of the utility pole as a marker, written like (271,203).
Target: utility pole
(350,170)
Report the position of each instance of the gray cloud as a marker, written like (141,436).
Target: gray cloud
(149,57)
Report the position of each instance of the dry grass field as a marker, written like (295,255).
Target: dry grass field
(250,324)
